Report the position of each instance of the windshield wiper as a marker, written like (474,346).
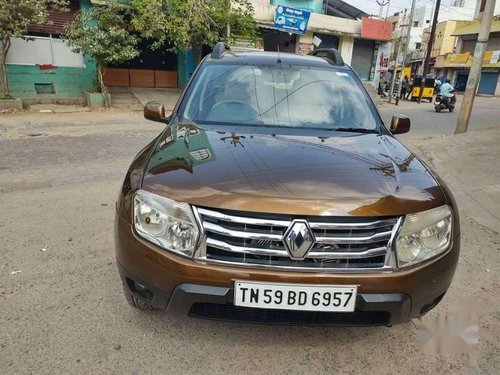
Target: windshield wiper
(357,130)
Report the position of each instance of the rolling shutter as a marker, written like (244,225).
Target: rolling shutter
(362,56)
(488,83)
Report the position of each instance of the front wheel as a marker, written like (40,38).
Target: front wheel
(437,108)
(451,108)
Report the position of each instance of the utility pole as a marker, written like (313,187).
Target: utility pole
(394,73)
(405,53)
(393,77)
(475,70)
(429,49)
(381,4)
(387,11)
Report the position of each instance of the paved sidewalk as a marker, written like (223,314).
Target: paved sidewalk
(469,165)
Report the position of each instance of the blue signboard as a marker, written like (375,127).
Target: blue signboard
(291,20)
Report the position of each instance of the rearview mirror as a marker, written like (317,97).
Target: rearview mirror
(400,124)
(154,111)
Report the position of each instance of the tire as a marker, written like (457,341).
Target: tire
(437,108)
(136,302)
(451,108)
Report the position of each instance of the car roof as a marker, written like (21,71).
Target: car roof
(271,58)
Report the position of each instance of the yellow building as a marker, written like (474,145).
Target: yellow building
(458,63)
(444,43)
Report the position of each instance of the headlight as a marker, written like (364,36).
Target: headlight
(424,235)
(165,222)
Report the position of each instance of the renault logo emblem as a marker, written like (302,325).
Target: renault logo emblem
(298,239)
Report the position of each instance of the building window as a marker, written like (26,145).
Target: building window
(415,23)
(418,45)
(427,21)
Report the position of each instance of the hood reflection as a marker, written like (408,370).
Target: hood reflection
(257,168)
(182,147)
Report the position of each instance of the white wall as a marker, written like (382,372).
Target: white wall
(264,14)
(456,13)
(43,50)
(346,47)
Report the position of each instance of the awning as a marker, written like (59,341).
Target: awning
(339,8)
(472,28)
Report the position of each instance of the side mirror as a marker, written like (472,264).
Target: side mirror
(154,111)
(400,124)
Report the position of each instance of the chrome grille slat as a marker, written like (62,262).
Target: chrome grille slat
(254,240)
(245,250)
(243,220)
(283,253)
(351,226)
(210,227)
(305,268)
(378,251)
(348,240)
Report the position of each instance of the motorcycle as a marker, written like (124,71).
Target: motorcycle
(442,102)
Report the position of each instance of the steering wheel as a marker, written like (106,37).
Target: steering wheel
(236,102)
(233,102)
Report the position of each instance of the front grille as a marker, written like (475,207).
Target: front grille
(257,239)
(273,316)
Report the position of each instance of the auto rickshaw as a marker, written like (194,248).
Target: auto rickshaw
(428,89)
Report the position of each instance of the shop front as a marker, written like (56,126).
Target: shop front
(460,63)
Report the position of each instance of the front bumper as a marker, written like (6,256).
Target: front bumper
(185,287)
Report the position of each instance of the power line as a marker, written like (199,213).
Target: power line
(429,49)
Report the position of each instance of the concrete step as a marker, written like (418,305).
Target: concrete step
(123,98)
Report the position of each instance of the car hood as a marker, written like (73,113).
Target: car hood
(290,171)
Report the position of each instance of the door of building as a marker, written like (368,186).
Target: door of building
(488,83)
(152,68)
(328,41)
(275,40)
(461,81)
(362,56)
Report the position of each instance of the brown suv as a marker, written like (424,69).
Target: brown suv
(276,194)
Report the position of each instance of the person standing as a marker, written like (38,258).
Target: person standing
(404,88)
(409,89)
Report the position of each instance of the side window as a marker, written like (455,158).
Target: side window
(193,105)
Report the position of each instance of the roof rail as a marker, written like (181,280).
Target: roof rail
(219,49)
(331,54)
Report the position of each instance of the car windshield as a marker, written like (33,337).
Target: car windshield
(278,95)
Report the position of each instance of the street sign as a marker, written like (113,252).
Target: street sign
(291,20)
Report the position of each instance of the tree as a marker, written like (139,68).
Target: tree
(192,23)
(15,18)
(103,32)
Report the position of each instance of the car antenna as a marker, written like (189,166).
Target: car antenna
(279,58)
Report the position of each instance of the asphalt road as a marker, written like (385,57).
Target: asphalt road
(426,121)
(62,308)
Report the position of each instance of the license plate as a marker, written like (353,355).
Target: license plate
(295,296)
